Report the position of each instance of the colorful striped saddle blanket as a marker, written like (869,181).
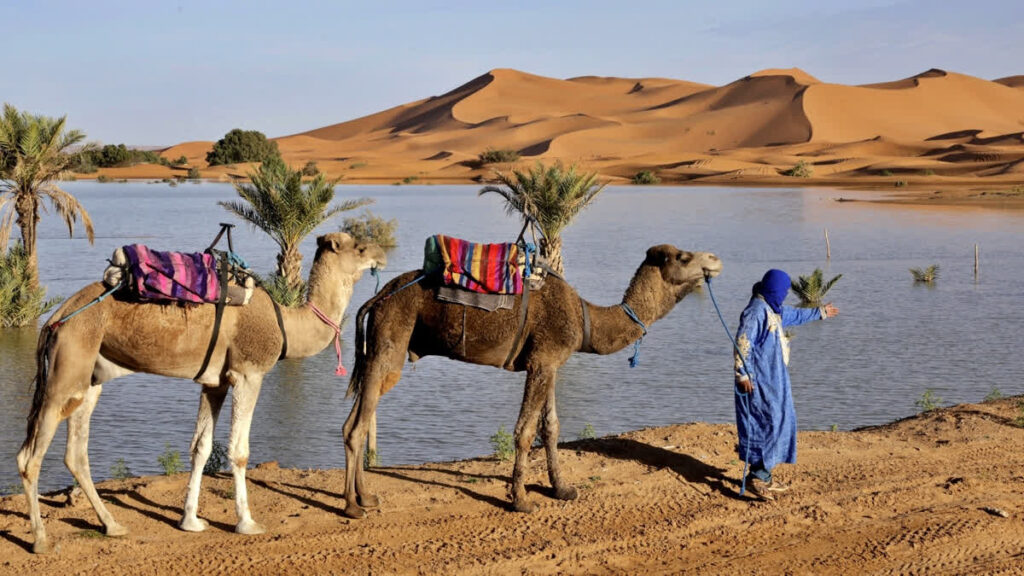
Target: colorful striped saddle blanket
(486,268)
(180,276)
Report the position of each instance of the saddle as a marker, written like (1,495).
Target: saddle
(499,269)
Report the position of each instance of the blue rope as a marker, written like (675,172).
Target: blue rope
(376,274)
(635,358)
(528,250)
(406,285)
(99,298)
(743,396)
(237,260)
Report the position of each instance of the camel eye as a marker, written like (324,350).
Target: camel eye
(684,257)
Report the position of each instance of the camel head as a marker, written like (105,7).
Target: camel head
(668,274)
(342,254)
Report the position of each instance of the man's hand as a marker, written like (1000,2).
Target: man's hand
(831,310)
(746,385)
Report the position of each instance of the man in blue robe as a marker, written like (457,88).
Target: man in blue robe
(765,418)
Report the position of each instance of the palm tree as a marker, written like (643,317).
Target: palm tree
(277,203)
(33,154)
(549,198)
(926,276)
(811,289)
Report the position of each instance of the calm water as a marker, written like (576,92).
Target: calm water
(892,341)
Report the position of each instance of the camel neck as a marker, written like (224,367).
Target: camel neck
(612,327)
(308,332)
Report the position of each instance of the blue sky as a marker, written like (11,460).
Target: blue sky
(158,73)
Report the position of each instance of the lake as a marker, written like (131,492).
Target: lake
(893,340)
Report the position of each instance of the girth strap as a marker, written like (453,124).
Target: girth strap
(523,308)
(280,326)
(217,316)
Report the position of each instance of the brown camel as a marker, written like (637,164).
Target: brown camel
(116,337)
(412,321)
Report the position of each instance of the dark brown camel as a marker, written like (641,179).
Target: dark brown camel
(411,321)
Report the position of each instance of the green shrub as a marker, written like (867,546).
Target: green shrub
(20,304)
(800,170)
(355,165)
(218,459)
(928,172)
(495,155)
(503,444)
(120,471)
(886,172)
(928,401)
(279,290)
(371,458)
(310,169)
(242,146)
(368,227)
(103,179)
(927,275)
(646,177)
(587,433)
(114,155)
(193,173)
(994,395)
(179,161)
(409,179)
(170,461)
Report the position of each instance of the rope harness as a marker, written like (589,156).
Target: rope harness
(96,300)
(743,395)
(635,358)
(340,370)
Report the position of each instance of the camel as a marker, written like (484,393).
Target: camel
(406,318)
(118,336)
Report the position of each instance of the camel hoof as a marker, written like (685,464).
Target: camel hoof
(250,527)
(524,506)
(355,512)
(43,547)
(566,493)
(115,530)
(368,501)
(193,524)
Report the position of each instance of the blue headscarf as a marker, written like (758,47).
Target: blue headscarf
(773,288)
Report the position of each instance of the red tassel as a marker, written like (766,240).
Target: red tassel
(341,371)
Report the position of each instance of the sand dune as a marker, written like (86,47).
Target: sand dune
(934,127)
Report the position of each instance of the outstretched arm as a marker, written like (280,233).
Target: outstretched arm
(797,316)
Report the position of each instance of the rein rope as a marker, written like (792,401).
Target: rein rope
(95,300)
(742,395)
(635,358)
(340,370)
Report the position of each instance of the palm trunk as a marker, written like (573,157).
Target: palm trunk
(28,217)
(551,249)
(289,266)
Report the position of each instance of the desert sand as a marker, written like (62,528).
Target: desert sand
(937,493)
(937,130)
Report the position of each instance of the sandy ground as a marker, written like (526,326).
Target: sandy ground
(936,131)
(937,493)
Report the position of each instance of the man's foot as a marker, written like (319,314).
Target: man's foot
(765,490)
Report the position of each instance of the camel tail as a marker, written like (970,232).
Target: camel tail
(355,383)
(43,348)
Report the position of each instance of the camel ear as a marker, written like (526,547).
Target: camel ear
(657,256)
(327,242)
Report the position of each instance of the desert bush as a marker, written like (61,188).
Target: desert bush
(811,289)
(994,395)
(179,161)
(310,169)
(927,172)
(242,146)
(410,179)
(928,401)
(927,275)
(495,155)
(368,227)
(103,179)
(218,459)
(587,433)
(646,177)
(355,165)
(281,291)
(20,303)
(886,172)
(120,470)
(170,461)
(193,173)
(800,170)
(371,458)
(503,444)
(900,183)
(114,155)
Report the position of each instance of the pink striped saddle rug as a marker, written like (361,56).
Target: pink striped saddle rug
(179,276)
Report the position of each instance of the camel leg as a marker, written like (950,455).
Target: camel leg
(357,497)
(538,380)
(243,401)
(30,458)
(549,432)
(76,458)
(371,442)
(210,402)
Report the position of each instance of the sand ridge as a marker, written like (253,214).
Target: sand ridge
(936,493)
(934,129)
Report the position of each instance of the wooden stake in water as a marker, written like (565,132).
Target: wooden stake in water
(828,247)
(975,262)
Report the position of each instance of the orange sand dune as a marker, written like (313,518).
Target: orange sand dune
(936,127)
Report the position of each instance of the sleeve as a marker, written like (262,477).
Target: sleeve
(752,324)
(797,316)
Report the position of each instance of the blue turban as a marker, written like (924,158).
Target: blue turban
(773,288)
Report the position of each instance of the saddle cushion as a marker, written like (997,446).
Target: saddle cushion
(486,268)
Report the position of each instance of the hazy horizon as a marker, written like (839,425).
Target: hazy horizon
(160,75)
